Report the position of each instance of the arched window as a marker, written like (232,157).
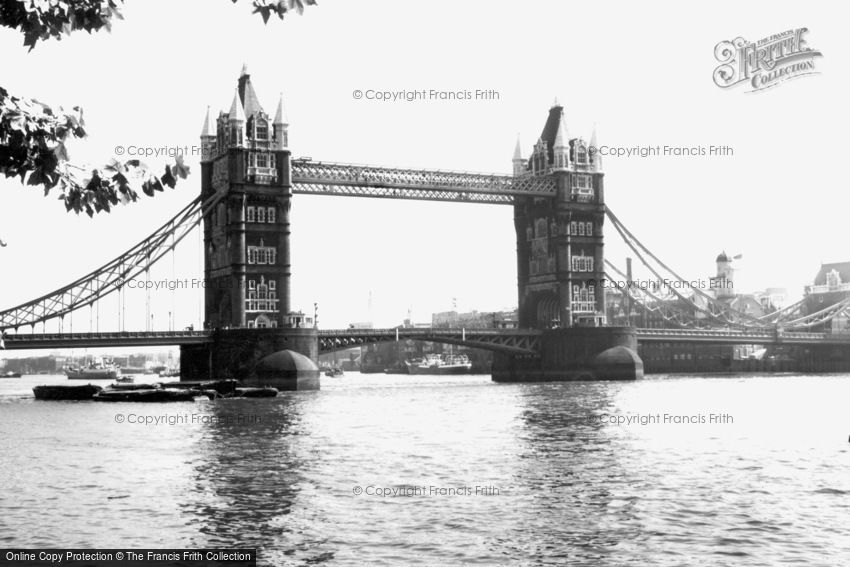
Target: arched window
(262,129)
(581,154)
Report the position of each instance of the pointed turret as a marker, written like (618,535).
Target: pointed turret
(205,130)
(595,156)
(236,122)
(281,126)
(237,113)
(561,148)
(518,161)
(208,139)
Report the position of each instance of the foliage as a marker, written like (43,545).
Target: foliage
(33,135)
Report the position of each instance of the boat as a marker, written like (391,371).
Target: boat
(169,373)
(150,395)
(334,372)
(440,364)
(92,372)
(81,392)
(11,374)
(124,380)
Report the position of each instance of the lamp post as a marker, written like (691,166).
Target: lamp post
(315,315)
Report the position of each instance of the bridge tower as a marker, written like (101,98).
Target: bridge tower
(256,339)
(560,261)
(246,239)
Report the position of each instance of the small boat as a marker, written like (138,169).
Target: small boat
(256,393)
(151,395)
(82,392)
(334,372)
(11,374)
(124,380)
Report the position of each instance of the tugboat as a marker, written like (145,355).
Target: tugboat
(440,364)
(94,371)
(11,374)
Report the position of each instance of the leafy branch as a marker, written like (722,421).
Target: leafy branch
(33,140)
(33,135)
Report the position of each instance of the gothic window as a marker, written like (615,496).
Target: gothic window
(589,229)
(272,284)
(272,255)
(581,229)
(582,184)
(251,214)
(582,263)
(262,160)
(833,278)
(252,254)
(261,214)
(252,284)
(581,154)
(271,215)
(262,130)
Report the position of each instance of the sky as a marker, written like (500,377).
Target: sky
(641,73)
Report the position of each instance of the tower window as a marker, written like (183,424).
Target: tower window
(581,154)
(589,229)
(262,160)
(261,214)
(262,130)
(272,284)
(271,215)
(251,214)
(252,284)
(581,229)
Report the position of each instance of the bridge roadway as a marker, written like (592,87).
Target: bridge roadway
(516,341)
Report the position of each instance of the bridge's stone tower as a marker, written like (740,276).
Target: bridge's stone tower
(246,238)
(560,261)
(245,162)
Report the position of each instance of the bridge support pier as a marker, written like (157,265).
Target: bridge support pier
(282,358)
(575,353)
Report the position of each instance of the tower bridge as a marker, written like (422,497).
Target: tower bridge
(248,180)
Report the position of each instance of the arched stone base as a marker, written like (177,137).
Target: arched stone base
(286,370)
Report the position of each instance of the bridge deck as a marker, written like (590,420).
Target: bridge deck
(515,341)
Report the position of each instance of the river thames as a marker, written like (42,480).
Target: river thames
(429,470)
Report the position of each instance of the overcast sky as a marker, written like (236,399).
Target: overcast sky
(642,72)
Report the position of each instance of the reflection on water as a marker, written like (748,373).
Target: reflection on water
(389,470)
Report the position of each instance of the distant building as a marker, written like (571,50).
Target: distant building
(475,320)
(831,285)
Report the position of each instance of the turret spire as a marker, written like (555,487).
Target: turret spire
(561,149)
(205,131)
(280,114)
(236,110)
(519,163)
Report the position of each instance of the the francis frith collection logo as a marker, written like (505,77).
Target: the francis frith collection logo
(765,63)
